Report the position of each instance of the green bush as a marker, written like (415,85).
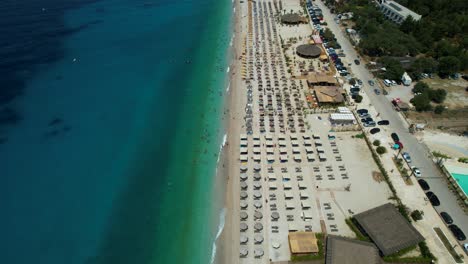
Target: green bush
(381,150)
(438,96)
(358,99)
(463,160)
(376,143)
(421,87)
(416,215)
(439,109)
(421,102)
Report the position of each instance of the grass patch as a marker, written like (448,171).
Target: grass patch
(356,230)
(447,245)
(320,255)
(360,135)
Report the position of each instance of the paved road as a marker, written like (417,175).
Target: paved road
(419,152)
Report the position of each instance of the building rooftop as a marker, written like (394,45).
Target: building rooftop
(342,250)
(388,229)
(397,8)
(329,94)
(303,242)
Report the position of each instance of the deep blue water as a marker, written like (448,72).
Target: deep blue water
(93,96)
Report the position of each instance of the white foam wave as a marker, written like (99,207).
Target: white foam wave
(222,217)
(229,86)
(228,69)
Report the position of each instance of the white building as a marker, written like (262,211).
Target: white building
(406,79)
(396,12)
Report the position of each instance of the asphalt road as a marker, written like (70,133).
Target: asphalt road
(418,151)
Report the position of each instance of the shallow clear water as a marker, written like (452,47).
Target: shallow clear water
(113,158)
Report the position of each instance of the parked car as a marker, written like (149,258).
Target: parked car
(370,124)
(416,171)
(364,115)
(357,62)
(424,185)
(406,156)
(433,198)
(362,111)
(395,137)
(371,82)
(377,91)
(387,82)
(359,81)
(383,123)
(447,218)
(457,232)
(393,82)
(367,119)
(375,130)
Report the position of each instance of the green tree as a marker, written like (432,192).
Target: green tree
(358,99)
(422,65)
(439,109)
(438,95)
(376,143)
(421,87)
(381,150)
(394,69)
(448,65)
(421,102)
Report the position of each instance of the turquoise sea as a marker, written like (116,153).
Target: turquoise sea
(109,141)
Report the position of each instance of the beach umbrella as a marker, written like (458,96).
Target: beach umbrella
(258,252)
(257,167)
(243,176)
(243,205)
(243,168)
(243,227)
(257,204)
(258,226)
(243,195)
(276,245)
(243,239)
(258,239)
(243,252)
(243,215)
(258,215)
(257,185)
(257,177)
(275,215)
(258,195)
(243,185)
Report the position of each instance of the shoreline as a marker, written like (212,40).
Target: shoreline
(231,122)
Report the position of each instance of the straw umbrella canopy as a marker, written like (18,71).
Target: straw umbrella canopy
(243,176)
(243,215)
(243,252)
(258,226)
(258,215)
(258,239)
(243,227)
(257,185)
(243,195)
(257,167)
(243,168)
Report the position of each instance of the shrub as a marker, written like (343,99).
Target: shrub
(376,143)
(421,102)
(438,95)
(381,150)
(416,215)
(358,99)
(420,87)
(463,160)
(439,109)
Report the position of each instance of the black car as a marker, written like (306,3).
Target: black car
(362,111)
(375,130)
(456,231)
(447,218)
(357,62)
(424,185)
(359,81)
(383,123)
(395,137)
(433,198)
(367,119)
(377,91)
